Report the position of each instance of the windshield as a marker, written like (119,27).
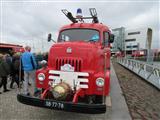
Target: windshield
(79,34)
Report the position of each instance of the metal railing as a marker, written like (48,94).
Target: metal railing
(150,73)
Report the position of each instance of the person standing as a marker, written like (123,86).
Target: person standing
(15,72)
(29,66)
(4,72)
(9,60)
(39,58)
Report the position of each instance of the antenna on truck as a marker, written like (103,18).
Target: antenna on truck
(79,17)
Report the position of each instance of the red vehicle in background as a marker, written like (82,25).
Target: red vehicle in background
(120,54)
(77,78)
(138,53)
(9,48)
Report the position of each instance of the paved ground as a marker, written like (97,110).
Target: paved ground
(11,109)
(119,106)
(156,63)
(142,98)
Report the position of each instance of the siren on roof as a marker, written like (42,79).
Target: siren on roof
(79,17)
(79,13)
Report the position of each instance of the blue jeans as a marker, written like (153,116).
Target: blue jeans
(29,76)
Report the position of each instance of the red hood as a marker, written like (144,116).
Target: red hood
(83,53)
(77,43)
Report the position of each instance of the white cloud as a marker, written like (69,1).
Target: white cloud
(148,19)
(24,22)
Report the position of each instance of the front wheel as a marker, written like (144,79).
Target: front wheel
(96,99)
(100,99)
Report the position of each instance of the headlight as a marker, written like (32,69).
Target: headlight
(100,82)
(41,76)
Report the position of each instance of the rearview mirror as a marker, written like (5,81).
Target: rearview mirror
(50,38)
(111,38)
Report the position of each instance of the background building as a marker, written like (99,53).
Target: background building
(138,39)
(131,40)
(118,44)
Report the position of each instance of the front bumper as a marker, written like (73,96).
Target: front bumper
(61,105)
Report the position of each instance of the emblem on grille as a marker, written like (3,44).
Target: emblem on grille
(67,67)
(69,50)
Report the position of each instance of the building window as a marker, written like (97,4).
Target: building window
(133,33)
(129,40)
(134,46)
(129,46)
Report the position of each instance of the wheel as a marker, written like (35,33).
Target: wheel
(96,99)
(99,99)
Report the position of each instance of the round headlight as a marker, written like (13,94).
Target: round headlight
(41,76)
(100,82)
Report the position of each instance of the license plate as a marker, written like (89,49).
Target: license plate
(52,104)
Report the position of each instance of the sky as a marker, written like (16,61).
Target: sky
(28,22)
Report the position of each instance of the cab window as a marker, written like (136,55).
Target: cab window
(73,35)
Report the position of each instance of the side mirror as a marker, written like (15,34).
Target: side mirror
(49,37)
(111,38)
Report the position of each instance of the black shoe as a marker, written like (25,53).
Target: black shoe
(0,93)
(28,94)
(37,93)
(11,86)
(6,90)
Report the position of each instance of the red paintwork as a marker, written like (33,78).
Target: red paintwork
(15,48)
(43,95)
(79,92)
(138,53)
(90,53)
(120,54)
(43,84)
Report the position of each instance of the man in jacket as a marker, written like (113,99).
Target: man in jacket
(29,66)
(4,72)
(15,72)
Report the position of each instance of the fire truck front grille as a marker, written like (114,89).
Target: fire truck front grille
(76,63)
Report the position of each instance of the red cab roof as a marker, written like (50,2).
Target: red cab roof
(97,26)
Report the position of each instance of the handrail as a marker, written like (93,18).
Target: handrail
(149,72)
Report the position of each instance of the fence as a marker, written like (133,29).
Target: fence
(150,73)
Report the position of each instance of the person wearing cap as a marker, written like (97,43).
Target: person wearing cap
(29,67)
(38,57)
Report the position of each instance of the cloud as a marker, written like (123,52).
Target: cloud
(148,19)
(30,22)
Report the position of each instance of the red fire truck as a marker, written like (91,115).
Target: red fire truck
(77,78)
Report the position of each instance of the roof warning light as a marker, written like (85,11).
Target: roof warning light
(79,13)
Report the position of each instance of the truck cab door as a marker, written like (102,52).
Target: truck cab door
(105,39)
(106,49)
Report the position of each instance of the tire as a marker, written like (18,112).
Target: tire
(99,99)
(0,80)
